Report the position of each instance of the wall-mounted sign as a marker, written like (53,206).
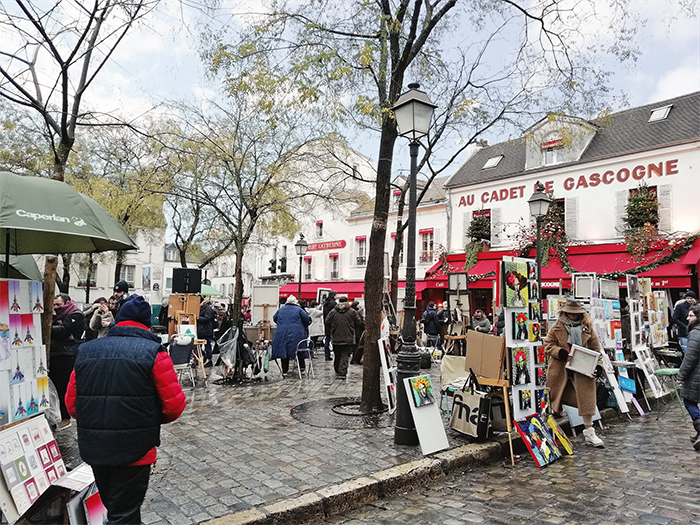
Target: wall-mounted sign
(328,245)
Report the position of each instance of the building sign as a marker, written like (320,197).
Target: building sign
(328,245)
(638,172)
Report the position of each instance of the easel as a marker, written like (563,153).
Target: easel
(186,306)
(265,327)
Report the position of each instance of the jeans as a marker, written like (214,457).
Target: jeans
(684,343)
(692,408)
(122,489)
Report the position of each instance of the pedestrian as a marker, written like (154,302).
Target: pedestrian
(359,350)
(328,307)
(316,329)
(121,391)
(120,294)
(66,335)
(163,318)
(292,327)
(344,324)
(680,317)
(689,373)
(102,318)
(573,327)
(205,327)
(89,312)
(501,322)
(481,323)
(432,321)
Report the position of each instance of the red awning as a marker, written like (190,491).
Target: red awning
(692,256)
(353,289)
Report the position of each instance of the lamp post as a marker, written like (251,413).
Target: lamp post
(413,111)
(539,206)
(300,247)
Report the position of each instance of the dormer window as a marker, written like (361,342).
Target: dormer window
(492,162)
(660,113)
(550,148)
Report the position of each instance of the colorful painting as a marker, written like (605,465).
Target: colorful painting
(532,270)
(559,436)
(538,439)
(37,297)
(521,365)
(540,376)
(525,397)
(541,355)
(534,291)
(422,390)
(534,332)
(28,334)
(17,305)
(515,284)
(535,312)
(542,402)
(519,326)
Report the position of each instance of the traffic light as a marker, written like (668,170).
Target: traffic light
(273,266)
(283,265)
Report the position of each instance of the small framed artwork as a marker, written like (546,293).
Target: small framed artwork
(525,397)
(540,376)
(535,313)
(535,334)
(322,295)
(583,360)
(422,391)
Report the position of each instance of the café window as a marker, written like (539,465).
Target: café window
(307,268)
(335,273)
(426,243)
(361,250)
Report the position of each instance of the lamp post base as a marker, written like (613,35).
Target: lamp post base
(407,365)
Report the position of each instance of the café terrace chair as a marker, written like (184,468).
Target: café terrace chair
(306,346)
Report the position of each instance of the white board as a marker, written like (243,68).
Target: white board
(265,294)
(429,425)
(575,419)
(610,374)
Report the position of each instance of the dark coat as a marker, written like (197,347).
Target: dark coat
(327,309)
(67,334)
(118,406)
(680,318)
(292,327)
(344,324)
(205,322)
(689,372)
(432,321)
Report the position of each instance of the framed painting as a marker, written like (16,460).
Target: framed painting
(538,439)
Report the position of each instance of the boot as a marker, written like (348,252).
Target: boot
(695,436)
(593,440)
(696,443)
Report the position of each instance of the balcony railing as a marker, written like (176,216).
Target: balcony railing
(361,261)
(426,257)
(307,276)
(335,275)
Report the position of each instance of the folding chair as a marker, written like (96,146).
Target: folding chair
(671,375)
(306,346)
(180,355)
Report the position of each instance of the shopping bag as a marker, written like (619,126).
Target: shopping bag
(471,410)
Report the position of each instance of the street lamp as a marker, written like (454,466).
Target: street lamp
(300,247)
(413,111)
(539,206)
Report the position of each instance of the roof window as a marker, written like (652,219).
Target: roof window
(492,162)
(660,113)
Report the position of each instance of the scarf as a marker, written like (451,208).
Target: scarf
(574,329)
(64,311)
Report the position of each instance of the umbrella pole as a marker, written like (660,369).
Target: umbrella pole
(6,271)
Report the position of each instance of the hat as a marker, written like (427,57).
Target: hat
(691,294)
(135,309)
(572,307)
(121,286)
(291,300)
(343,299)
(99,300)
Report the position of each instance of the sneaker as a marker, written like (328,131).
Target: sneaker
(591,439)
(64,424)
(340,377)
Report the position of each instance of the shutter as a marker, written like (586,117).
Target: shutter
(620,211)
(664,196)
(571,217)
(466,222)
(437,240)
(341,256)
(352,261)
(496,227)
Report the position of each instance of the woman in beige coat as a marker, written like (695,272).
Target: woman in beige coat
(565,386)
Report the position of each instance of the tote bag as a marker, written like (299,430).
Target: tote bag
(471,411)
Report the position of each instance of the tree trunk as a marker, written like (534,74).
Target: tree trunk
(49,288)
(64,283)
(118,267)
(89,277)
(183,258)
(238,293)
(371,391)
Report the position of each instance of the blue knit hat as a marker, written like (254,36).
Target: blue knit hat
(121,286)
(136,308)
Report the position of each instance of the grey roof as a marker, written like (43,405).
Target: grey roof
(618,134)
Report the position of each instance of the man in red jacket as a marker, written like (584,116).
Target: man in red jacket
(122,389)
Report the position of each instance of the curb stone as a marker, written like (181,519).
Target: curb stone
(348,495)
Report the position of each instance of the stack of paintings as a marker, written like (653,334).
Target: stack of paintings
(544,438)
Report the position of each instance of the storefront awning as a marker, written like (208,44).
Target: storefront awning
(353,289)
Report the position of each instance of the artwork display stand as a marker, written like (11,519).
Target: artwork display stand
(429,425)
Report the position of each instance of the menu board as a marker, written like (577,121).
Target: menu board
(30,461)
(24,383)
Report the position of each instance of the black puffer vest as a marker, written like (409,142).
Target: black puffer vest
(117,406)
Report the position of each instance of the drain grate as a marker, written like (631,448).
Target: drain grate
(340,413)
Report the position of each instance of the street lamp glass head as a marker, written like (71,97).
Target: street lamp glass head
(539,202)
(301,245)
(413,111)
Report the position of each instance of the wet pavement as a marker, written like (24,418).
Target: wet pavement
(647,473)
(237,446)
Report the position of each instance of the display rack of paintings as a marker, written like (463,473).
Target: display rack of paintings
(656,309)
(521,298)
(30,461)
(24,383)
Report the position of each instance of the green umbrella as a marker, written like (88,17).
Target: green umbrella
(40,215)
(209,290)
(22,267)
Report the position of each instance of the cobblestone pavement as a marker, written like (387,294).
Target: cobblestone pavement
(237,447)
(648,473)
